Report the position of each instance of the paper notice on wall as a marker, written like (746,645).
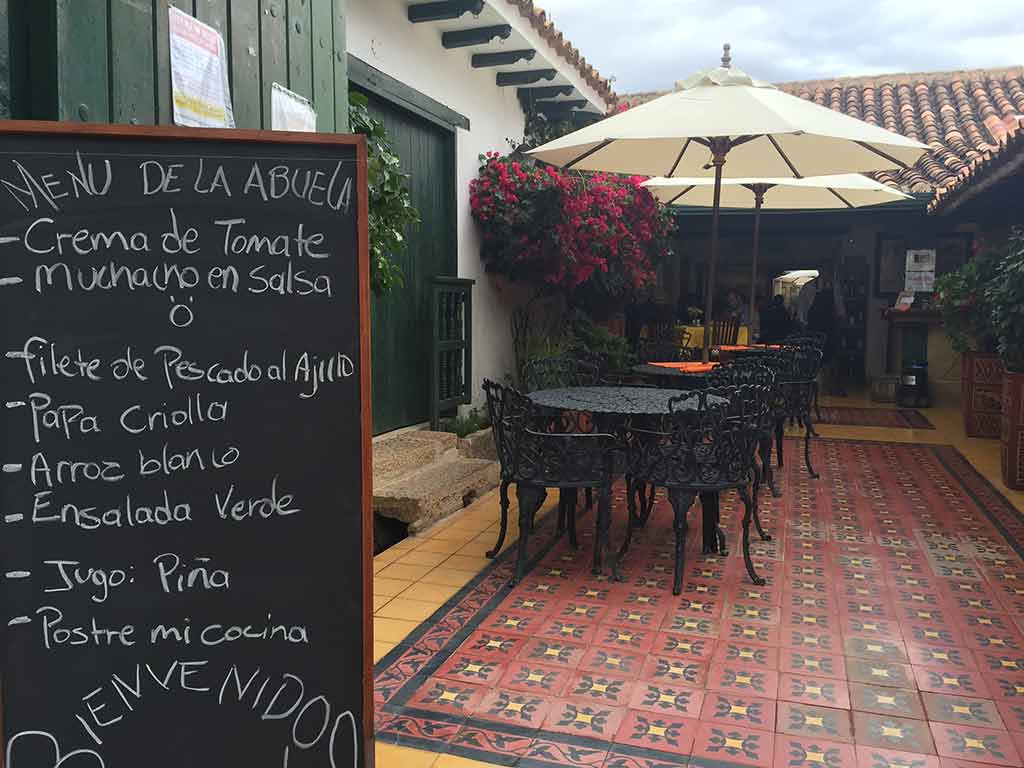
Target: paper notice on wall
(199,73)
(290,111)
(920,270)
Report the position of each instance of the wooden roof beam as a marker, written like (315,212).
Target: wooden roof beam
(526,78)
(464,38)
(504,58)
(444,11)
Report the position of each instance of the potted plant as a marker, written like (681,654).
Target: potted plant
(960,297)
(1005,295)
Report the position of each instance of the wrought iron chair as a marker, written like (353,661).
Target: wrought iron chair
(798,383)
(555,373)
(535,459)
(817,340)
(705,446)
(762,372)
(724,331)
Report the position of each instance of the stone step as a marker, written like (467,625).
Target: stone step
(409,452)
(424,497)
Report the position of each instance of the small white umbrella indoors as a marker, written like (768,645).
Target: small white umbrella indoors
(722,114)
(842,191)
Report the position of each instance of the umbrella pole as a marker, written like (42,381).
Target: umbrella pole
(719,148)
(758,200)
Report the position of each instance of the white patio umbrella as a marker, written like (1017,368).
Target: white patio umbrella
(840,191)
(724,114)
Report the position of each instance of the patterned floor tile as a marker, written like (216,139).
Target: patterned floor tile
(814,722)
(496,746)
(497,645)
(980,745)
(875,649)
(750,632)
(809,752)
(800,662)
(1012,714)
(944,708)
(864,626)
(743,680)
(733,709)
(631,757)
(882,673)
(447,697)
(465,668)
(859,585)
(579,610)
(811,639)
(609,660)
(965,682)
(688,647)
(524,710)
(576,718)
(545,753)
(691,625)
(667,699)
(663,733)
(873,757)
(887,732)
(610,690)
(940,657)
(818,691)
(733,652)
(555,653)
(731,744)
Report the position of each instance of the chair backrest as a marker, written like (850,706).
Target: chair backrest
(558,372)
(709,441)
(741,371)
(535,447)
(725,331)
(807,338)
(507,420)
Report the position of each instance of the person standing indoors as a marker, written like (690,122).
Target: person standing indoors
(821,318)
(776,324)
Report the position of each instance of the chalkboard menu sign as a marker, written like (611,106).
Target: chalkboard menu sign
(186,536)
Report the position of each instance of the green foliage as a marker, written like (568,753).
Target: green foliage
(390,204)
(961,297)
(595,342)
(463,426)
(553,331)
(1005,297)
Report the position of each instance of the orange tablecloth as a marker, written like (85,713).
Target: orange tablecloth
(688,367)
(743,347)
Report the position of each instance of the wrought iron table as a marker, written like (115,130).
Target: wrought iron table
(613,410)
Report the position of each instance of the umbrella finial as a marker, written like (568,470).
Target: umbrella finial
(726,58)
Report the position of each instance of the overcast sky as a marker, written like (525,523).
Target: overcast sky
(649,44)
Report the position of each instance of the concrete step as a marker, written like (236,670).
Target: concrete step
(423,497)
(408,452)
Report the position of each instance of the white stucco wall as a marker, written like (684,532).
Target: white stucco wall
(380,34)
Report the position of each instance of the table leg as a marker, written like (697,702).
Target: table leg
(709,526)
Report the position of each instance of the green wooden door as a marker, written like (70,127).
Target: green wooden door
(401,325)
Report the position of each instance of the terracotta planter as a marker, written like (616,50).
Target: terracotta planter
(1013,430)
(981,393)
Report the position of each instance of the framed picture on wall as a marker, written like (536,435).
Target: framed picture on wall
(890,265)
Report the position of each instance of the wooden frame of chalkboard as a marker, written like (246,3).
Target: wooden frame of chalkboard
(130,133)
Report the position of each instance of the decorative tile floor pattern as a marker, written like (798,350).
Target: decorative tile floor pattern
(889,634)
(899,418)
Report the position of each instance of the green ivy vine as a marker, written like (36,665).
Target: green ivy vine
(390,204)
